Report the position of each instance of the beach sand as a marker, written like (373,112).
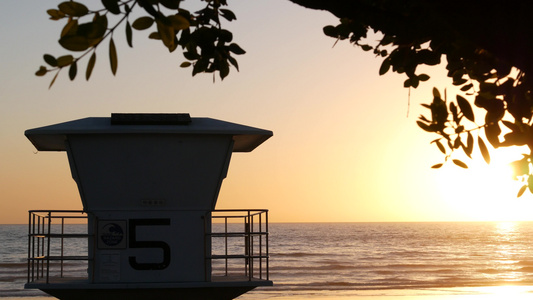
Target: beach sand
(468,293)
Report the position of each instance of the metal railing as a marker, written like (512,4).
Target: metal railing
(41,231)
(239,238)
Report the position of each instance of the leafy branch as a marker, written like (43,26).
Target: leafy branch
(495,80)
(442,124)
(488,60)
(206,46)
(84,37)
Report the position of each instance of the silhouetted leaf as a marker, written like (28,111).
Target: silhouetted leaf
(424,126)
(465,107)
(55,14)
(129,34)
(521,191)
(71,28)
(459,81)
(441,147)
(483,149)
(98,28)
(42,71)
(423,118)
(113,60)
(469,145)
(185,64)
(154,36)
(457,143)
(366,47)
(233,61)
(227,14)
(73,70)
(190,55)
(436,93)
(112,6)
(93,31)
(223,69)
(143,23)
(225,36)
(453,109)
(167,34)
(170,4)
(411,82)
(75,43)
(74,9)
(460,163)
(90,66)
(179,22)
(385,66)
(49,59)
(64,60)
(200,66)
(236,49)
(330,31)
(415,82)
(492,132)
(423,77)
(459,129)
(466,87)
(436,166)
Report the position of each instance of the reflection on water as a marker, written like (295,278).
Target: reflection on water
(506,235)
(323,259)
(502,292)
(506,230)
(468,293)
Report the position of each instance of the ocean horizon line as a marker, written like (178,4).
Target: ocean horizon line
(360,222)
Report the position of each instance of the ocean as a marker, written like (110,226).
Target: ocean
(312,258)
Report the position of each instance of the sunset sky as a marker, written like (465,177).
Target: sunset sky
(346,147)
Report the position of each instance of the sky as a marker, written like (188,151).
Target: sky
(346,147)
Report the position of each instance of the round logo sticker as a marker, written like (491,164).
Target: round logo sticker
(112,234)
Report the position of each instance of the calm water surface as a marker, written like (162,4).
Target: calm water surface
(343,257)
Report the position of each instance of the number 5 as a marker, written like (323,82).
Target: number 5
(133,243)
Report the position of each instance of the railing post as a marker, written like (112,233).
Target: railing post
(226,244)
(29,244)
(246,246)
(260,246)
(39,262)
(62,232)
(42,244)
(266,241)
(250,246)
(48,247)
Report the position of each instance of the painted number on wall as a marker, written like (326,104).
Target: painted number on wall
(134,243)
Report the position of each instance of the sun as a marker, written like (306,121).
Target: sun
(486,192)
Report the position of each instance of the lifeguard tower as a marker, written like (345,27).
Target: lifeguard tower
(149,185)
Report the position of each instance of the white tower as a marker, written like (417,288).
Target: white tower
(149,184)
